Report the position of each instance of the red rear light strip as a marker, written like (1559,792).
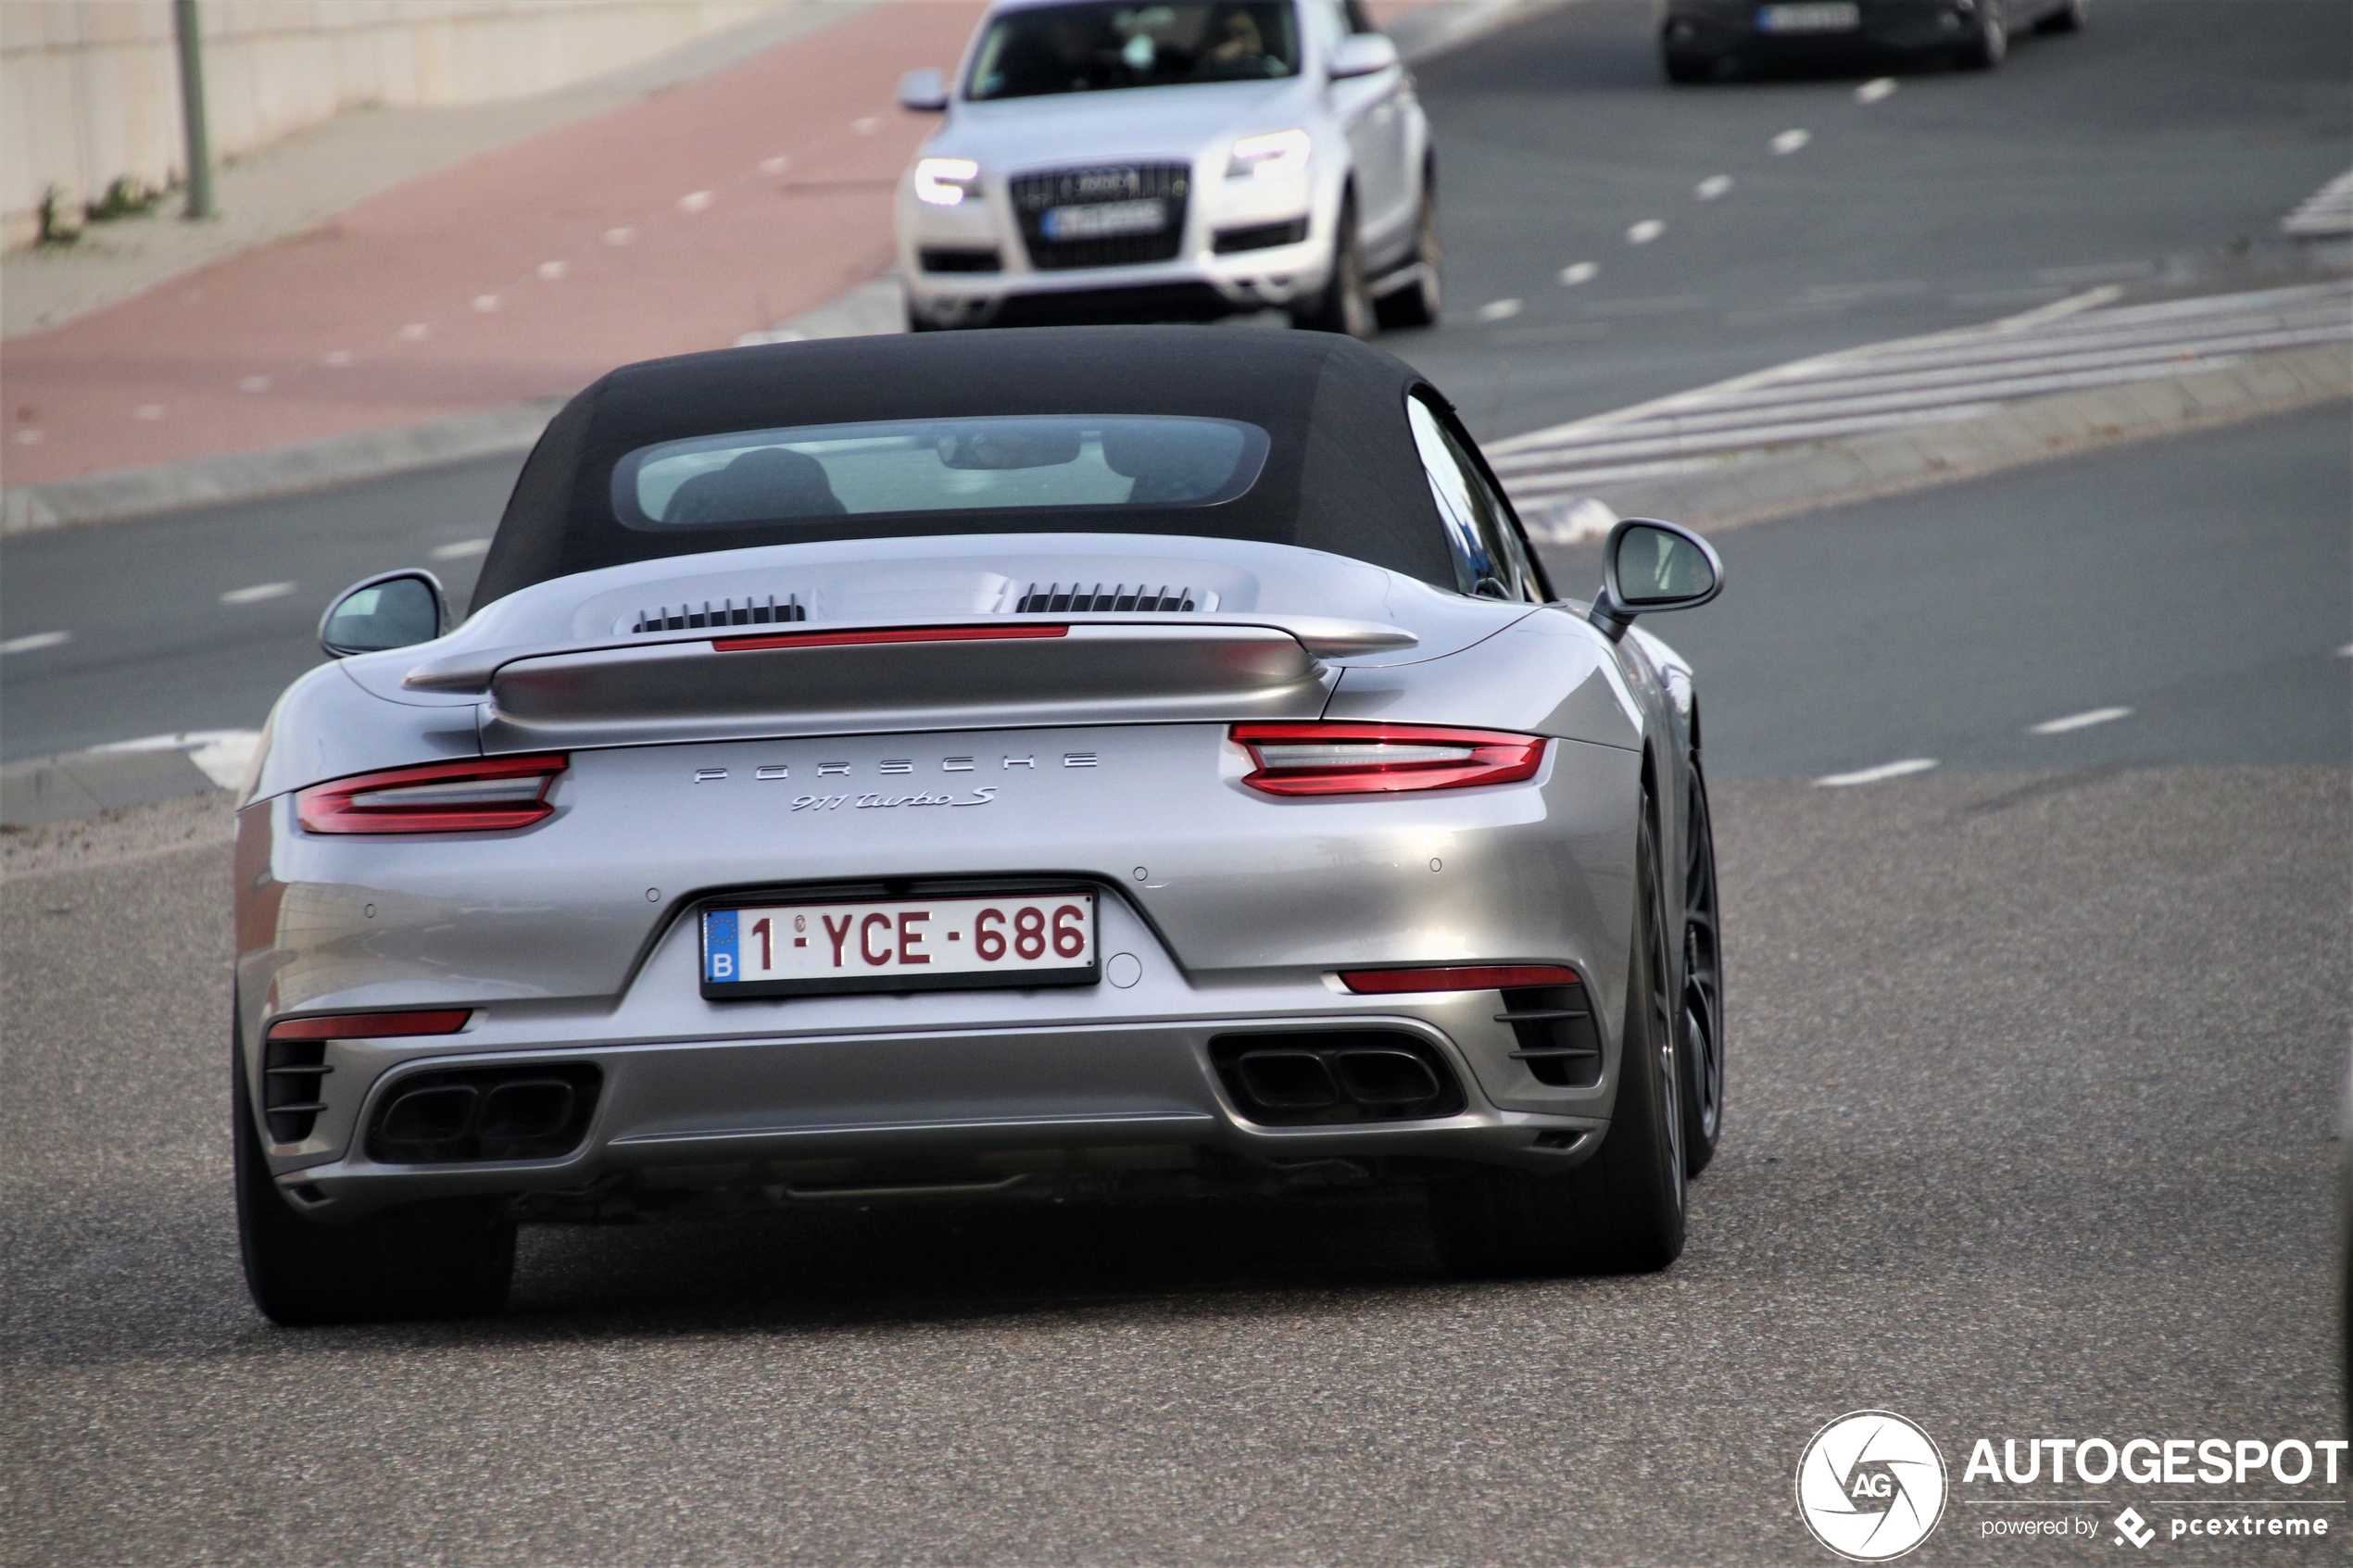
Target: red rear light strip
(889,635)
(331,807)
(370,1025)
(1497,757)
(1457,977)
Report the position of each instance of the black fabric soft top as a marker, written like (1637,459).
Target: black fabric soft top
(1342,475)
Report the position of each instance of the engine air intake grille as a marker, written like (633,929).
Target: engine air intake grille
(1128,187)
(1061,597)
(726,612)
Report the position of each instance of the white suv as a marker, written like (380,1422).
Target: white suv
(1105,160)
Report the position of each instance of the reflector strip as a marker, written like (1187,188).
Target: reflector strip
(370,1025)
(1457,977)
(890,635)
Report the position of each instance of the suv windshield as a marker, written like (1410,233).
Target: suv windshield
(1089,48)
(1022,461)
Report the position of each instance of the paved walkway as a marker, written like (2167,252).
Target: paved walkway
(674,223)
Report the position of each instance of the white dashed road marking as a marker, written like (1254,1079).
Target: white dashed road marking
(415,331)
(1713,187)
(486,303)
(256,593)
(1499,310)
(1872,91)
(695,201)
(148,411)
(620,236)
(2079,720)
(336,359)
(1645,231)
(254,383)
(464,549)
(1875,775)
(1788,142)
(551,271)
(1578,272)
(867,126)
(773,166)
(36,641)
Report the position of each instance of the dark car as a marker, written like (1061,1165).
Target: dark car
(1697,37)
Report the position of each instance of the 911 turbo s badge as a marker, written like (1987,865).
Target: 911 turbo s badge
(980,797)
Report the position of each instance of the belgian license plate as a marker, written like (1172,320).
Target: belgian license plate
(1103,220)
(1817,15)
(900,944)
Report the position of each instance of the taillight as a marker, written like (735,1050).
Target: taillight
(888,634)
(1351,759)
(1457,977)
(370,1025)
(479,797)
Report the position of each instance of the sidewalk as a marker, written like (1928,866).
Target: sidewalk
(444,317)
(678,222)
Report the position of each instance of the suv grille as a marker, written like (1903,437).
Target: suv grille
(727,612)
(1084,598)
(1036,195)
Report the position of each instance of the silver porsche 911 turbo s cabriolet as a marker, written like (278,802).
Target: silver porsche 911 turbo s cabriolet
(1081,761)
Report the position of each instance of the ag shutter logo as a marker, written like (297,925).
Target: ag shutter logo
(1872,1486)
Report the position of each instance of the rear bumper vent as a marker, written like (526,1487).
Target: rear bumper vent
(528,1113)
(1059,598)
(1553,1025)
(765,611)
(293,1082)
(1336,1076)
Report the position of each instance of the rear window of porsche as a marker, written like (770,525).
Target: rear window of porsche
(1020,462)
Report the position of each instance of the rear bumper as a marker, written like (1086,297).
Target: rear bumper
(1890,27)
(814,1114)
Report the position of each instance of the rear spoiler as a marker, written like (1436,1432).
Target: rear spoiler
(842,677)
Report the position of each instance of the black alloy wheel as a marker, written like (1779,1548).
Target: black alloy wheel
(1701,1017)
(1992,40)
(1623,1209)
(1419,303)
(1342,307)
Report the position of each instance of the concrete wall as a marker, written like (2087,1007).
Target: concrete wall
(90,89)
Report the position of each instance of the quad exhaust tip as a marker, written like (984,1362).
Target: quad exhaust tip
(1336,1076)
(485,1113)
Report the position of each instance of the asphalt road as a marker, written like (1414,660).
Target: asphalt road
(2033,1055)
(2156,150)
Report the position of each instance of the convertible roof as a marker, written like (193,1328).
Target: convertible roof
(1342,474)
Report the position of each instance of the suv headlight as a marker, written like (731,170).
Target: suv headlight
(946,182)
(1275,153)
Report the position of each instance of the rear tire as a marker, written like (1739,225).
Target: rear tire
(1688,70)
(451,1258)
(1342,307)
(1622,1211)
(1418,304)
(2069,17)
(1992,44)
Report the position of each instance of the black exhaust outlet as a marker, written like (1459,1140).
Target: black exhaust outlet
(476,1113)
(1331,1077)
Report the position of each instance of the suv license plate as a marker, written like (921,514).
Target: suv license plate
(1822,16)
(1104,220)
(900,944)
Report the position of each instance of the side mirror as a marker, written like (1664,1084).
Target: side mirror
(393,610)
(1649,566)
(924,91)
(1361,53)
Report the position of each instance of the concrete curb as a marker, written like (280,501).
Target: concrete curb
(51,789)
(1754,487)
(123,494)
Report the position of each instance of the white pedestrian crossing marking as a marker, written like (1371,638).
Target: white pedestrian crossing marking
(2069,346)
(2328,211)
